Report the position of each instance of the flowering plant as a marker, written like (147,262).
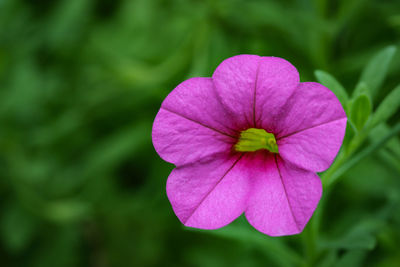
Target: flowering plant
(248,140)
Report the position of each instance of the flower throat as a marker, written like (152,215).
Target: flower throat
(254,139)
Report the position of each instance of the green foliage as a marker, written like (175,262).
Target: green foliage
(376,70)
(360,110)
(352,258)
(333,84)
(82,80)
(273,248)
(17,228)
(387,108)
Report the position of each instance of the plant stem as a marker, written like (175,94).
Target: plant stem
(310,238)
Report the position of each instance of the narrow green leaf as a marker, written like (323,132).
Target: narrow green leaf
(360,89)
(360,111)
(375,72)
(333,84)
(387,108)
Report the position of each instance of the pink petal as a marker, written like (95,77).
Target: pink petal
(180,140)
(283,197)
(254,88)
(209,194)
(277,79)
(191,124)
(197,100)
(311,127)
(315,148)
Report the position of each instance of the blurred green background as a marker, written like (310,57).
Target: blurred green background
(80,84)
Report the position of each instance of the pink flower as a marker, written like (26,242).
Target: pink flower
(249,139)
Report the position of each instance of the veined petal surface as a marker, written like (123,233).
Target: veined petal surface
(311,127)
(210,193)
(192,124)
(181,141)
(197,100)
(283,196)
(276,81)
(254,88)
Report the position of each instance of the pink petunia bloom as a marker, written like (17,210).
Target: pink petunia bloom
(248,140)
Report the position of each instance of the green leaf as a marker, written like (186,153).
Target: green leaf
(375,72)
(333,84)
(360,111)
(387,108)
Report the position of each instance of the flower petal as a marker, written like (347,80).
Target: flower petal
(191,124)
(197,100)
(277,79)
(283,197)
(311,127)
(254,88)
(235,82)
(180,140)
(314,149)
(209,194)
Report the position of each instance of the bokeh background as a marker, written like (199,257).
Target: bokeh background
(80,84)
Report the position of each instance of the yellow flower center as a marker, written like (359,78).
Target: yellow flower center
(254,139)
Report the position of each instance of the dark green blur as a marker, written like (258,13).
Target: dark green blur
(80,84)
